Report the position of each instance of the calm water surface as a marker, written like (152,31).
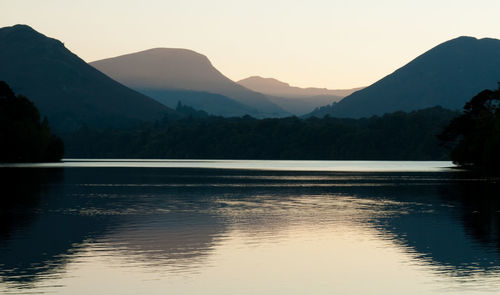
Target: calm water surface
(247,227)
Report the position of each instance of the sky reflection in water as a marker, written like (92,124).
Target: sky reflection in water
(190,231)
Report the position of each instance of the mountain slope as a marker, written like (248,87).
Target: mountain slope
(214,104)
(181,69)
(65,88)
(448,75)
(296,100)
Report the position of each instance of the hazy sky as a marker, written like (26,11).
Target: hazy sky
(320,43)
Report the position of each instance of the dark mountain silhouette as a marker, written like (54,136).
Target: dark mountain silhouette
(296,100)
(448,75)
(165,69)
(65,88)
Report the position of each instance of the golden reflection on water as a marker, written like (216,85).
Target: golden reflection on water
(340,259)
(346,234)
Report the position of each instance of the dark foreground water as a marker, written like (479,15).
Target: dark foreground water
(151,228)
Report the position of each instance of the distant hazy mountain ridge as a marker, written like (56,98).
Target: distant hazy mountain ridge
(448,75)
(154,70)
(275,87)
(296,100)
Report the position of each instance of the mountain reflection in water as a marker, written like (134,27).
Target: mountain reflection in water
(180,221)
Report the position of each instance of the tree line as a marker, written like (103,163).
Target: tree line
(395,136)
(470,138)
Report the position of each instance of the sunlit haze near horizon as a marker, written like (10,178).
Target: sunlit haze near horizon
(316,43)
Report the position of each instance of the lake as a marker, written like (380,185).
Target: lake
(247,227)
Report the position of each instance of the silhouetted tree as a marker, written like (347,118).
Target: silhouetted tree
(475,135)
(23,136)
(189,111)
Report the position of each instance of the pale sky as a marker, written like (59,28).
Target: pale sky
(310,43)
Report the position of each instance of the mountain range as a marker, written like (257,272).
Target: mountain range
(447,75)
(275,87)
(65,88)
(163,72)
(72,93)
(295,100)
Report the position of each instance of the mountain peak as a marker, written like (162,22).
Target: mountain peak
(167,50)
(179,69)
(20,30)
(161,66)
(263,81)
(27,37)
(447,75)
(463,38)
(162,55)
(464,43)
(65,88)
(164,52)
